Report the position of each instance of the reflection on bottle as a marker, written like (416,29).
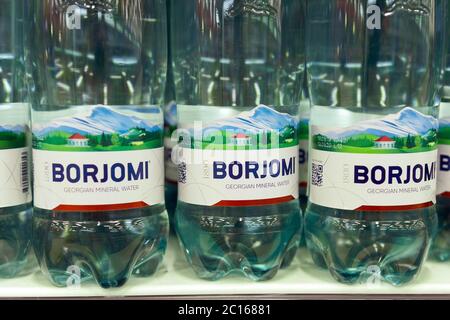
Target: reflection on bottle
(413,6)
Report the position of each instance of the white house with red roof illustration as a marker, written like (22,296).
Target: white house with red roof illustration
(384,143)
(240,139)
(78,140)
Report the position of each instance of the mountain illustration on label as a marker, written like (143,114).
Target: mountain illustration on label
(14,129)
(102,129)
(405,131)
(444,131)
(13,136)
(259,128)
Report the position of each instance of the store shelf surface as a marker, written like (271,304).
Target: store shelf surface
(176,278)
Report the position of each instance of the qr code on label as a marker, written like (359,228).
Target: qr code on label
(182,172)
(317,174)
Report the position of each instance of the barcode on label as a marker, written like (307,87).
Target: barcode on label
(182,172)
(317,174)
(25,172)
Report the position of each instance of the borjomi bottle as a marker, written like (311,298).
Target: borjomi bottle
(293,56)
(441,245)
(238,208)
(292,70)
(440,249)
(16,256)
(373,71)
(170,125)
(305,108)
(303,141)
(97,122)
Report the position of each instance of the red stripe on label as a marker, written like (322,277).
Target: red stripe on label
(303,184)
(100,207)
(445,194)
(396,208)
(251,203)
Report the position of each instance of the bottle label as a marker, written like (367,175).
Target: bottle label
(247,160)
(444,158)
(170,125)
(303,152)
(385,164)
(98,158)
(14,155)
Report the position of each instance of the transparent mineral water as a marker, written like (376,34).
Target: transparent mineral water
(171,189)
(357,72)
(440,249)
(115,55)
(305,110)
(230,57)
(16,255)
(170,124)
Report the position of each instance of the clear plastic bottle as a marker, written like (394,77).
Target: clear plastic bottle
(100,69)
(373,72)
(292,85)
(229,77)
(170,125)
(303,141)
(305,109)
(440,249)
(16,256)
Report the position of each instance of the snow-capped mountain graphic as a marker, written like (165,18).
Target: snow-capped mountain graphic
(15,129)
(259,119)
(101,120)
(404,123)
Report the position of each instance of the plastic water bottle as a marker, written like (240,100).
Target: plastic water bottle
(238,208)
(100,69)
(441,244)
(15,149)
(373,75)
(305,109)
(170,125)
(292,85)
(303,141)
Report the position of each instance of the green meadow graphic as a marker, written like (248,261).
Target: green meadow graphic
(102,129)
(303,129)
(258,129)
(408,131)
(13,137)
(444,131)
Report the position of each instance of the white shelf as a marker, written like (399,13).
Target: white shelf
(176,278)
